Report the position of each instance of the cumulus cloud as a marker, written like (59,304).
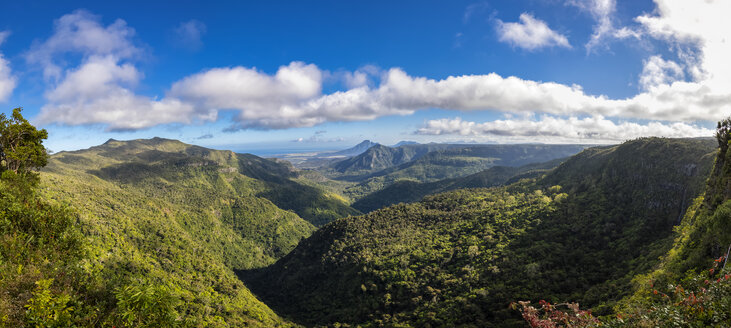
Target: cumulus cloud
(99,89)
(363,76)
(7,79)
(602,11)
(530,34)
(555,129)
(82,32)
(97,92)
(262,100)
(657,71)
(691,87)
(189,34)
(292,98)
(696,31)
(401,94)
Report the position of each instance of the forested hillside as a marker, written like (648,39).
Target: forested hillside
(580,233)
(162,213)
(692,287)
(407,191)
(150,163)
(158,250)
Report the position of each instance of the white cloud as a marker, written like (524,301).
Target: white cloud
(603,13)
(99,89)
(96,93)
(554,129)
(363,76)
(189,34)
(691,87)
(699,33)
(7,79)
(292,98)
(402,94)
(262,100)
(530,34)
(657,71)
(81,32)
(472,9)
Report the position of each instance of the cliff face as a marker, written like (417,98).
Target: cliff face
(705,231)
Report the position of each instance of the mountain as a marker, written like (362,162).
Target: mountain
(435,162)
(161,212)
(141,160)
(407,191)
(356,150)
(404,143)
(377,158)
(143,233)
(580,232)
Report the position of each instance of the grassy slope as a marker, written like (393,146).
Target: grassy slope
(165,211)
(460,257)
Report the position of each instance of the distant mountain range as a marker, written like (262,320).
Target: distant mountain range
(380,166)
(404,143)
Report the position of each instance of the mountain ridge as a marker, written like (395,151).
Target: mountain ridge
(140,158)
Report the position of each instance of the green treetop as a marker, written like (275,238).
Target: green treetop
(21,144)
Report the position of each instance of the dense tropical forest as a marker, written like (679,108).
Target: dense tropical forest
(156,232)
(580,232)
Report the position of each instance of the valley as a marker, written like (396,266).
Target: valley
(365,164)
(452,235)
(460,257)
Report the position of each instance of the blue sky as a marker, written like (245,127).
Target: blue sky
(262,76)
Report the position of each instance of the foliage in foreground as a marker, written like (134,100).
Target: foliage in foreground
(699,301)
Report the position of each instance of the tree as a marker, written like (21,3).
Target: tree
(21,144)
(723,134)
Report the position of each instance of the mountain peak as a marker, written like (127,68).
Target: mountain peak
(357,149)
